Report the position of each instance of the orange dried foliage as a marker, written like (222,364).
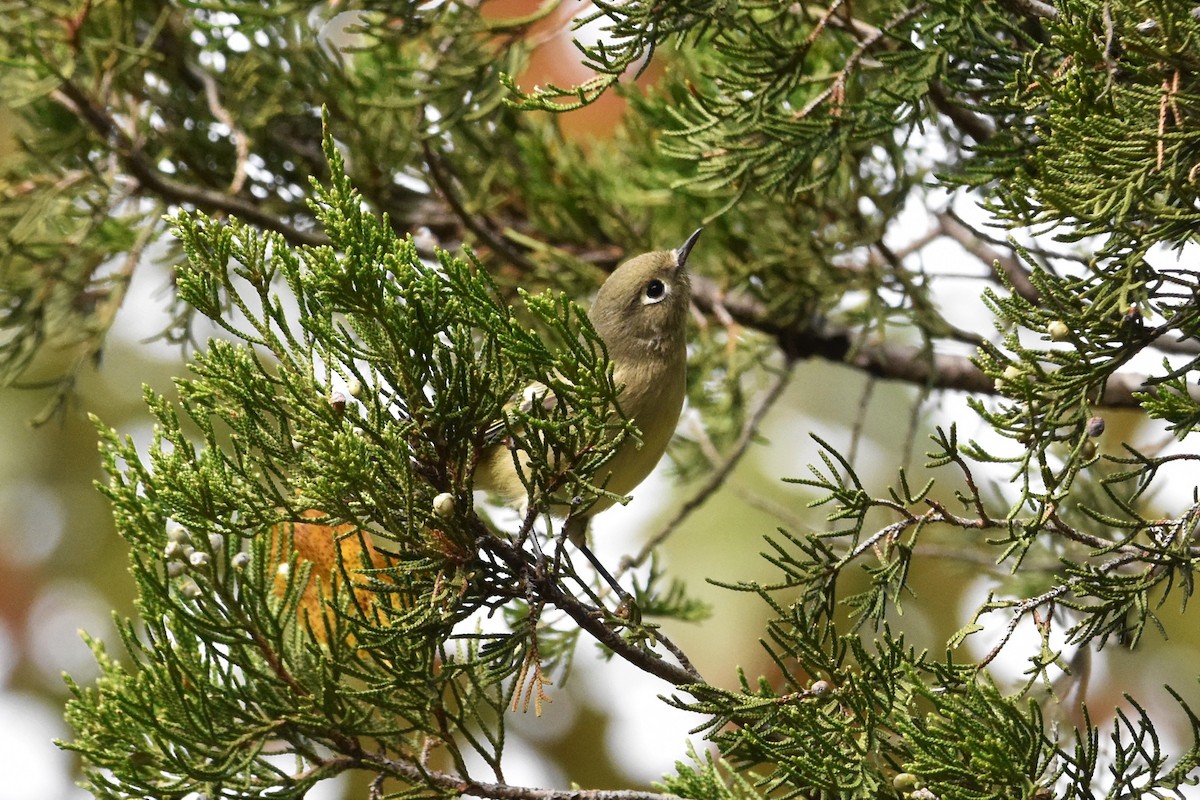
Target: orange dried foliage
(318,545)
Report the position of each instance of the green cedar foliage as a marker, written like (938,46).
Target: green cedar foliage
(224,673)
(228,672)
(799,134)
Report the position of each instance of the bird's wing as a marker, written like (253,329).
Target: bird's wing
(534,393)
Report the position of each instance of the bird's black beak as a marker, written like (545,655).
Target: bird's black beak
(681,253)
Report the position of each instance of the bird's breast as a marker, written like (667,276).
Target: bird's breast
(652,398)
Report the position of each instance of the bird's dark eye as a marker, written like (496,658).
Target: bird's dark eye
(655,290)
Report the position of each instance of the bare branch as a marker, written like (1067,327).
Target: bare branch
(440,173)
(595,621)
(907,363)
(877,37)
(497,791)
(718,476)
(222,115)
(170,190)
(1034,8)
(977,127)
(1011,267)
(420,775)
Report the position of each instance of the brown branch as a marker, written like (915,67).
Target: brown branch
(240,142)
(1033,8)
(1014,272)
(874,37)
(170,190)
(896,362)
(497,791)
(1022,609)
(546,584)
(587,618)
(977,127)
(721,473)
(770,507)
(676,675)
(440,174)
(860,420)
(1030,605)
(974,125)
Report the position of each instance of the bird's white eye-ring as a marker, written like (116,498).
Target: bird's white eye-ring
(655,291)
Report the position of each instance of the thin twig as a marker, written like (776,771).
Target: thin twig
(1023,608)
(1032,604)
(106,309)
(1047,255)
(241,143)
(890,532)
(976,126)
(591,619)
(718,476)
(1034,8)
(860,420)
(497,791)
(440,174)
(1012,269)
(837,88)
(72,97)
(768,506)
(925,313)
(975,557)
(914,420)
(916,245)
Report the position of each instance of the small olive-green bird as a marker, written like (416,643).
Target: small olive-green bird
(641,314)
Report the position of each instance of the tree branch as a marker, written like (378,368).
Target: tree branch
(1016,274)
(589,618)
(170,190)
(440,174)
(896,362)
(497,791)
(1033,8)
(718,476)
(977,127)
(876,37)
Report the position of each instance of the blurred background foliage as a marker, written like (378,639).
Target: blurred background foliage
(853,156)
